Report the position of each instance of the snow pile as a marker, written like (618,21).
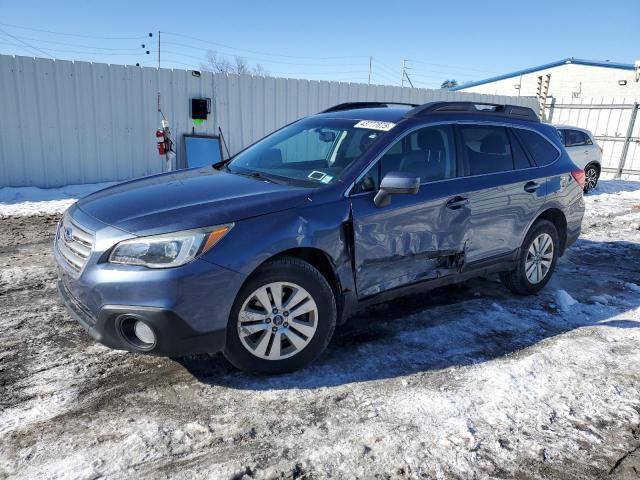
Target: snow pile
(564,300)
(633,287)
(25,201)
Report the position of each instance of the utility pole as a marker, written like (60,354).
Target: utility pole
(405,74)
(370,61)
(158,49)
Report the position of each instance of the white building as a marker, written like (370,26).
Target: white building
(567,78)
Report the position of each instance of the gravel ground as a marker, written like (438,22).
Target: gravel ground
(462,382)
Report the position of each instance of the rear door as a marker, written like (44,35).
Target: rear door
(504,190)
(595,154)
(415,237)
(579,146)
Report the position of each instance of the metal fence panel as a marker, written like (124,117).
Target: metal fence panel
(614,123)
(76,122)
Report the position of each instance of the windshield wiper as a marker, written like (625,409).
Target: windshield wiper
(257,175)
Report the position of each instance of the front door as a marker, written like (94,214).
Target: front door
(415,237)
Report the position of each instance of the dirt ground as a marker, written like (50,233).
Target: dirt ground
(462,382)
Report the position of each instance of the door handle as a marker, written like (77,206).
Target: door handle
(457,202)
(531,187)
(586,151)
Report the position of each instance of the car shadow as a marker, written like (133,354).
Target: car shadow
(459,325)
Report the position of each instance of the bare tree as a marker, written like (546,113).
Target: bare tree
(239,65)
(449,84)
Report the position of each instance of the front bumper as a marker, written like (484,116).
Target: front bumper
(174,336)
(187,307)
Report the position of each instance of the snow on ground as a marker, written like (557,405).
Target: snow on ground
(462,382)
(24,201)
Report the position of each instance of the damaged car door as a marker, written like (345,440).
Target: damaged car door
(505,190)
(413,237)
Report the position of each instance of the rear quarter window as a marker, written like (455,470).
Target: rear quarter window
(541,150)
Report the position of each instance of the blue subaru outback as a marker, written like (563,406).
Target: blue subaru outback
(262,255)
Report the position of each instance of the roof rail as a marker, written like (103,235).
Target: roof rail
(354,105)
(495,109)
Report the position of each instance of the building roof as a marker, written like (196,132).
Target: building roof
(564,61)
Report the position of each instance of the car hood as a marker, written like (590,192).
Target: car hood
(188,199)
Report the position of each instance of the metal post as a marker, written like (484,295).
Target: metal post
(370,61)
(627,140)
(404,67)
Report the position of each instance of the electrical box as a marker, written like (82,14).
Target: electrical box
(200,108)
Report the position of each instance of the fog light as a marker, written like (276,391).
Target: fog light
(144,333)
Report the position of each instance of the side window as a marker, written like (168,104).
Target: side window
(542,151)
(370,181)
(487,149)
(574,138)
(429,153)
(520,159)
(561,132)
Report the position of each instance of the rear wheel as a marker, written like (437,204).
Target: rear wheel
(537,260)
(591,176)
(282,319)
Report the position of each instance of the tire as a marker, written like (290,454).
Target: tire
(591,176)
(269,341)
(517,280)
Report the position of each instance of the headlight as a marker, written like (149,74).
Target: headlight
(169,249)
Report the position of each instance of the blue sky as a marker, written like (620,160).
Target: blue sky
(465,40)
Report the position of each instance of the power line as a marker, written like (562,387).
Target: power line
(385,76)
(453,66)
(386,67)
(271,54)
(204,60)
(26,44)
(73,34)
(255,59)
(82,52)
(95,47)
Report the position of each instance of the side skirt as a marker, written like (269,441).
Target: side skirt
(504,263)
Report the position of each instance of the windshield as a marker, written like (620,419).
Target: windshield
(311,152)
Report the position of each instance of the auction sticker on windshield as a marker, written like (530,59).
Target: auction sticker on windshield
(375,125)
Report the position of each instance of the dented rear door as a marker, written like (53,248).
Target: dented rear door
(415,238)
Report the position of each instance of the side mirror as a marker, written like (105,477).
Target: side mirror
(396,183)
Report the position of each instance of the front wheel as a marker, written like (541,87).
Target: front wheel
(537,260)
(282,319)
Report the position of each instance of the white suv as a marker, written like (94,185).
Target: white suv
(584,151)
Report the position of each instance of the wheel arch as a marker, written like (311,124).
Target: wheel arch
(594,163)
(321,261)
(559,220)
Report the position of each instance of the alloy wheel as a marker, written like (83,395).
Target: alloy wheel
(591,178)
(539,258)
(277,320)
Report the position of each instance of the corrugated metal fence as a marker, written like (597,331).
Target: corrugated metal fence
(614,123)
(68,122)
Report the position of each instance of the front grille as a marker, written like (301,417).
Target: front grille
(74,243)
